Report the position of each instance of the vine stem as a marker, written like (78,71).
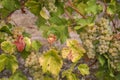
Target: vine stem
(68,14)
(73,7)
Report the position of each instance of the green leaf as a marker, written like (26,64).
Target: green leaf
(84,69)
(117,77)
(51,61)
(69,75)
(18,76)
(84,22)
(109,66)
(28,43)
(61,32)
(118,66)
(58,21)
(8,47)
(11,5)
(2,62)
(81,7)
(103,74)
(102,60)
(11,63)
(112,8)
(8,62)
(74,50)
(60,9)
(64,34)
(4,12)
(41,23)
(2,36)
(26,34)
(54,30)
(36,45)
(34,6)
(5,29)
(25,54)
(92,7)
(47,78)
(78,27)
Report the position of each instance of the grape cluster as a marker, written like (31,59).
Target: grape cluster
(32,62)
(104,36)
(114,54)
(52,7)
(114,48)
(49,5)
(100,39)
(96,39)
(88,38)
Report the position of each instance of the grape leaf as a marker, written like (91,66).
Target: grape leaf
(117,77)
(4,13)
(2,36)
(60,9)
(102,60)
(34,6)
(8,47)
(51,61)
(20,43)
(8,62)
(28,43)
(84,22)
(92,7)
(84,69)
(2,62)
(81,7)
(47,78)
(11,63)
(73,51)
(103,74)
(57,20)
(11,5)
(5,29)
(18,76)
(118,66)
(69,75)
(36,45)
(44,13)
(64,34)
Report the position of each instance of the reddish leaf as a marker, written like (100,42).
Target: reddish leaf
(51,38)
(20,43)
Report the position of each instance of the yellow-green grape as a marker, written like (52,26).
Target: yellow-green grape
(104,34)
(96,39)
(52,7)
(51,1)
(32,63)
(87,38)
(37,75)
(114,54)
(17,31)
(32,60)
(115,48)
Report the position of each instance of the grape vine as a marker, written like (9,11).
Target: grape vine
(95,21)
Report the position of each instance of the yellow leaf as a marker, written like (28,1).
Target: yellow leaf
(44,13)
